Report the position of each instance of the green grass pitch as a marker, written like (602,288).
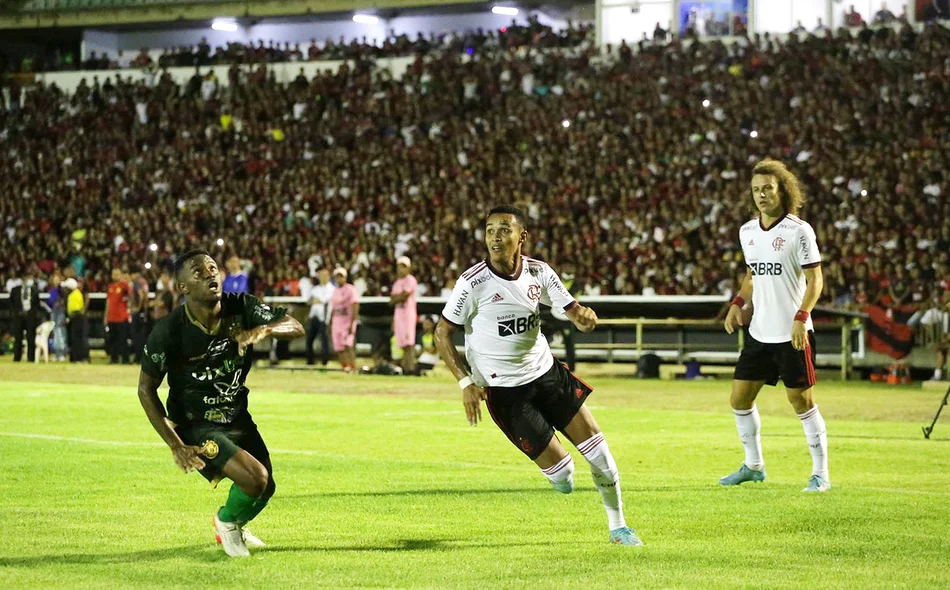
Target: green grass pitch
(382,484)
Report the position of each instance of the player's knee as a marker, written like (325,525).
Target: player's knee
(799,398)
(258,481)
(270,489)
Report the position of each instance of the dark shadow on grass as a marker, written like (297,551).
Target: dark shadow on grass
(433,492)
(402,545)
(713,486)
(203,550)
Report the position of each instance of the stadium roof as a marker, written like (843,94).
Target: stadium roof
(22,14)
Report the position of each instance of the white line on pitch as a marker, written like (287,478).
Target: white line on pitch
(305,452)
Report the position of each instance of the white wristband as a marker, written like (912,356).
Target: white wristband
(465,382)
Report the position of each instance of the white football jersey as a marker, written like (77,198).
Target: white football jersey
(501,316)
(777,258)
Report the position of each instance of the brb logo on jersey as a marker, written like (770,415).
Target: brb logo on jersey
(510,325)
(766,269)
(534,293)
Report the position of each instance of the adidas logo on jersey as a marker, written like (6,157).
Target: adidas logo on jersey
(497,298)
(752,242)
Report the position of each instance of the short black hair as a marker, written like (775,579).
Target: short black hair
(509,210)
(184,258)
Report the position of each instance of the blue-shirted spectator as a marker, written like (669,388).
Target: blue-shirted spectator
(236,279)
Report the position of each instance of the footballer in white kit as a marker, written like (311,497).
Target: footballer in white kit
(784,282)
(529,394)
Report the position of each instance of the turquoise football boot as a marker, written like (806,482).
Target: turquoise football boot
(625,536)
(743,475)
(817,484)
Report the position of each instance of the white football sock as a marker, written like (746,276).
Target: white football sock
(817,439)
(750,426)
(606,478)
(561,473)
(938,374)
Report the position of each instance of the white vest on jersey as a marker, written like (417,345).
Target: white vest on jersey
(776,257)
(501,316)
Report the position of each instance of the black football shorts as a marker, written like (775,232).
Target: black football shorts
(529,414)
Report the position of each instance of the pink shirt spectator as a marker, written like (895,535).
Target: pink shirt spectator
(341,306)
(405,316)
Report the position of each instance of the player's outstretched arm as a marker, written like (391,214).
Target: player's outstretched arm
(286,328)
(583,318)
(186,457)
(472,395)
(734,316)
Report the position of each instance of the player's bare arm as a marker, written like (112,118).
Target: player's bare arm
(472,394)
(583,318)
(286,328)
(186,456)
(734,316)
(814,283)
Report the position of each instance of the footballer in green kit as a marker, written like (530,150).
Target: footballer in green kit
(204,347)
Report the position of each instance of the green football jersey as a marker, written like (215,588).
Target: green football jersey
(206,371)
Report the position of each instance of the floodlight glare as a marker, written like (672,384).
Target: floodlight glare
(228,26)
(365,19)
(505,10)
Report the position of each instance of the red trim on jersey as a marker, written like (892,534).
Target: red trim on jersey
(812,265)
(797,220)
(809,365)
(571,305)
(513,277)
(451,322)
(474,271)
(777,221)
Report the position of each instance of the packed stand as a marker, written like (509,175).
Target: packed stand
(634,169)
(261,52)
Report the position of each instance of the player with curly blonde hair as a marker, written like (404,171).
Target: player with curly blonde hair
(784,281)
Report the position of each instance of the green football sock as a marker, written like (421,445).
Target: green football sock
(238,507)
(254,510)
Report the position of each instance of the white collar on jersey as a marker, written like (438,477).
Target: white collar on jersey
(501,275)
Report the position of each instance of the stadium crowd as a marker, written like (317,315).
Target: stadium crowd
(395,45)
(633,167)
